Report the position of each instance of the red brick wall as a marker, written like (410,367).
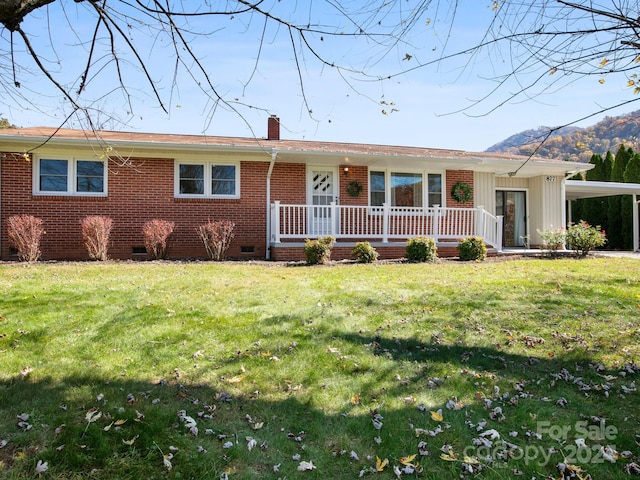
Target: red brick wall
(453,177)
(360,174)
(289,183)
(136,195)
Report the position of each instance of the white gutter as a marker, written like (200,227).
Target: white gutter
(28,143)
(267,251)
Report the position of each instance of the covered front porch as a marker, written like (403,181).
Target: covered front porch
(387,227)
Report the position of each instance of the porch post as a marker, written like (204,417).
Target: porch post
(385,223)
(480,222)
(436,222)
(275,221)
(333,218)
(499,233)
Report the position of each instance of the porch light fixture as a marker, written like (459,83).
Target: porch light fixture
(346,171)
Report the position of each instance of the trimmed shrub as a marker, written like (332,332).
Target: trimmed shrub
(363,252)
(96,230)
(552,239)
(156,233)
(216,237)
(25,233)
(421,249)
(583,238)
(318,251)
(472,248)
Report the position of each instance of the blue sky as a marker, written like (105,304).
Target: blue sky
(421,105)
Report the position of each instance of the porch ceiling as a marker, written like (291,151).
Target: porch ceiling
(575,189)
(498,164)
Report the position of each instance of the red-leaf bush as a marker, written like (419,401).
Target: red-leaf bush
(216,237)
(96,230)
(25,233)
(156,233)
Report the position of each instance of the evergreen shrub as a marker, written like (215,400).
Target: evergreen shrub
(318,251)
(421,249)
(472,248)
(363,252)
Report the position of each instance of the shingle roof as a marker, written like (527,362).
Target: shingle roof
(107,136)
(298,150)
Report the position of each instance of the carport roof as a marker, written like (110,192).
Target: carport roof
(575,189)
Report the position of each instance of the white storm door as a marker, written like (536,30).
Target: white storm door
(322,189)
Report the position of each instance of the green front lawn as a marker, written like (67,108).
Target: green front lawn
(244,370)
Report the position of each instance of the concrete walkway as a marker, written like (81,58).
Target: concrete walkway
(597,253)
(607,253)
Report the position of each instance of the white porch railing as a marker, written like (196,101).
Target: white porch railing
(383,223)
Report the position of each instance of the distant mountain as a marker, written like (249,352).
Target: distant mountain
(574,143)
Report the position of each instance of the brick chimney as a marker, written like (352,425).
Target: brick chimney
(273,128)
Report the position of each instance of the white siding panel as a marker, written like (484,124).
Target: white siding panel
(546,205)
(505,183)
(484,186)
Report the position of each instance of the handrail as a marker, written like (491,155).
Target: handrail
(383,223)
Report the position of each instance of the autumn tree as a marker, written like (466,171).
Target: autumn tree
(4,123)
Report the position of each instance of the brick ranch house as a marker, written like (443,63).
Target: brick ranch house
(278,192)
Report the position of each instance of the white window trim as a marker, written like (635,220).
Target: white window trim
(425,181)
(207,179)
(71,177)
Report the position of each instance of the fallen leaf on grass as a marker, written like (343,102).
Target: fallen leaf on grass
(130,442)
(251,442)
(306,466)
(166,461)
(632,469)
(437,415)
(381,464)
(42,467)
(449,457)
(93,415)
(407,460)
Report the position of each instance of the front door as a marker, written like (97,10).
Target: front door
(512,205)
(322,188)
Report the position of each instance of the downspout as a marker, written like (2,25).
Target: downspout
(267,250)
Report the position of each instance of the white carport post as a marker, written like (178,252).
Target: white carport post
(636,233)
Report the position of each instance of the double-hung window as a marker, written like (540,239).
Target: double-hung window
(405,189)
(207,180)
(61,176)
